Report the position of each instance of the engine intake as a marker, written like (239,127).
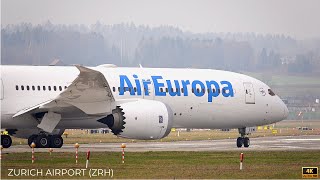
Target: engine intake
(141,119)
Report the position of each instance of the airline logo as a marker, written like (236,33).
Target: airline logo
(175,87)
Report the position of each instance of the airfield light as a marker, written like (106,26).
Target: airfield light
(241,160)
(50,151)
(1,152)
(33,145)
(76,145)
(88,157)
(123,146)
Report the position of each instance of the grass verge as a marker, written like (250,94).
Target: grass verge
(170,165)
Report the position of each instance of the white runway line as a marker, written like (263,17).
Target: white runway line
(301,139)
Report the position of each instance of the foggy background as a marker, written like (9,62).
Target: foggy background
(164,46)
(277,42)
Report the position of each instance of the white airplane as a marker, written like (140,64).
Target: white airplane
(40,102)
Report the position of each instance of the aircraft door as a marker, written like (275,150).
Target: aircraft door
(1,90)
(148,93)
(249,93)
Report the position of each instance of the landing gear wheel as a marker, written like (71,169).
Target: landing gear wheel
(246,142)
(6,141)
(56,141)
(32,139)
(42,141)
(243,140)
(239,142)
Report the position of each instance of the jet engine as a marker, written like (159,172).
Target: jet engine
(140,119)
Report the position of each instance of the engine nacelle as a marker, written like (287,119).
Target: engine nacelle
(141,119)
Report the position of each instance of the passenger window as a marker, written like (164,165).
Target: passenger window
(54,88)
(119,89)
(203,90)
(22,88)
(192,90)
(44,88)
(39,88)
(49,88)
(198,91)
(28,88)
(161,89)
(60,88)
(65,87)
(182,91)
(113,89)
(33,88)
(135,89)
(17,87)
(166,89)
(177,90)
(271,92)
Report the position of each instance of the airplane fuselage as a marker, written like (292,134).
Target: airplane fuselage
(199,98)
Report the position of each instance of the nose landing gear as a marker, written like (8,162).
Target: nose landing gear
(243,140)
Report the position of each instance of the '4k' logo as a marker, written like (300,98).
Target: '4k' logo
(310,172)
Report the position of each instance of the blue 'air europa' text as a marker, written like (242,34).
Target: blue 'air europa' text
(175,87)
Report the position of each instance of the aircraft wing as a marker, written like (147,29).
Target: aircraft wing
(89,92)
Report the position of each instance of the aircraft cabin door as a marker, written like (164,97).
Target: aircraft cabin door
(147,93)
(1,90)
(249,93)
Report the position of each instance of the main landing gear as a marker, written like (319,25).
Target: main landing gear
(243,140)
(46,141)
(6,141)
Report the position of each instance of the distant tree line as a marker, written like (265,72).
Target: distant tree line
(130,45)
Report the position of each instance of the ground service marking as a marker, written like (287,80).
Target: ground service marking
(309,172)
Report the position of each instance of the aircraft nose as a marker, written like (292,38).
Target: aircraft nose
(279,111)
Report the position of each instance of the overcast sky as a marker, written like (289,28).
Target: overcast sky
(297,18)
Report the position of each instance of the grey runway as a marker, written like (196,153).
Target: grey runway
(284,143)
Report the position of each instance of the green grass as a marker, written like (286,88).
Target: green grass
(279,164)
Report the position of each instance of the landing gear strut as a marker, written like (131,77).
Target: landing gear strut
(6,141)
(243,140)
(46,141)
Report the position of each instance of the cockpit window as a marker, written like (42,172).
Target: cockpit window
(271,92)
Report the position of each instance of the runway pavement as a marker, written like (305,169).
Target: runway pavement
(285,143)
